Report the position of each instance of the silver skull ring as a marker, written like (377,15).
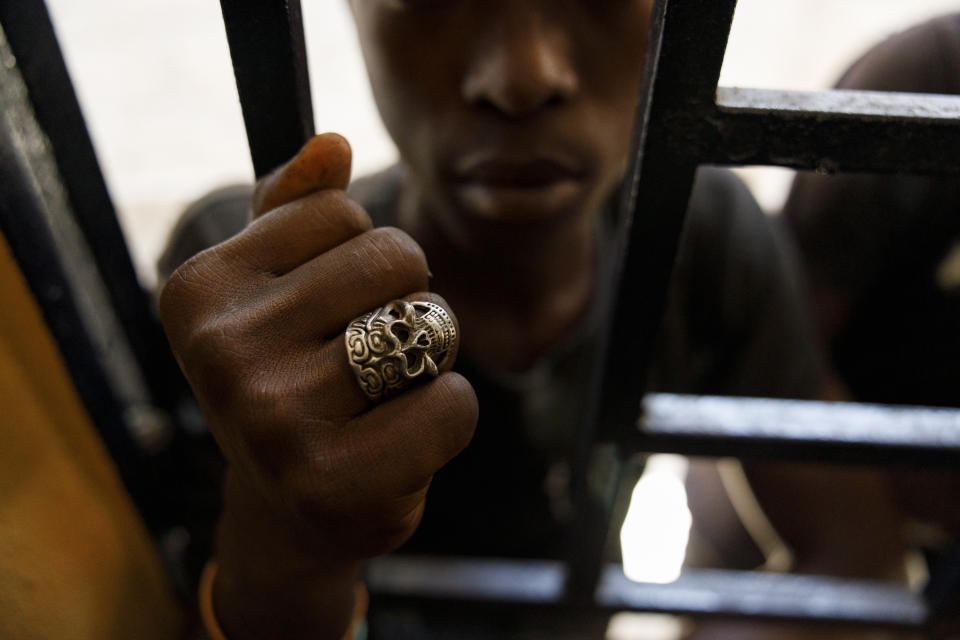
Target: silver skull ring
(390,347)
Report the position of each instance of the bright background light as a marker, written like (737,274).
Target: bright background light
(654,535)
(155,84)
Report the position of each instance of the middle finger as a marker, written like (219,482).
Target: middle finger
(320,297)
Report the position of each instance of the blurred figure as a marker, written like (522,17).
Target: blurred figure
(882,254)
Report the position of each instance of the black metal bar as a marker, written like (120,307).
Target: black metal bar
(829,131)
(490,580)
(684,57)
(737,594)
(838,432)
(23,224)
(32,39)
(270,64)
(767,595)
(687,70)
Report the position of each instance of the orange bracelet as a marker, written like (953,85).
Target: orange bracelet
(212,627)
(205,596)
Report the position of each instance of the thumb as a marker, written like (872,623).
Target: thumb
(322,163)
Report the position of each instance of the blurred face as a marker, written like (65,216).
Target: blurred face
(507,111)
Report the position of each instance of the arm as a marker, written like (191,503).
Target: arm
(319,478)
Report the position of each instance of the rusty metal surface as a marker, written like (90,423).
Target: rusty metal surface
(861,105)
(831,131)
(800,430)
(270,65)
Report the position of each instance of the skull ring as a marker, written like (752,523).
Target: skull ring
(390,347)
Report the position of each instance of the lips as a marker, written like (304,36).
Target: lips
(519,187)
(533,172)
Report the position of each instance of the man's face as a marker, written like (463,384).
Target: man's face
(507,110)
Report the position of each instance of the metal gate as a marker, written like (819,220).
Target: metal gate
(683,120)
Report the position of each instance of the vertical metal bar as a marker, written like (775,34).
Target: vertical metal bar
(695,36)
(270,64)
(685,53)
(32,39)
(23,225)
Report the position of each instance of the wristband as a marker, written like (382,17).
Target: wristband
(205,597)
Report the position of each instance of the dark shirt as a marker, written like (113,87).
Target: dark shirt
(735,325)
(883,252)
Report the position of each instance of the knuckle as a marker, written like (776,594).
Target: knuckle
(335,209)
(233,364)
(212,356)
(180,287)
(390,250)
(270,404)
(203,278)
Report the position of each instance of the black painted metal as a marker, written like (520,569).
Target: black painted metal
(679,125)
(840,432)
(766,595)
(459,578)
(829,131)
(23,224)
(694,36)
(32,39)
(682,68)
(443,582)
(684,120)
(270,65)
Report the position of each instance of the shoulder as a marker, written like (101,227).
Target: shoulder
(848,226)
(726,227)
(731,248)
(923,58)
(736,321)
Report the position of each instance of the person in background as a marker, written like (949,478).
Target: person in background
(513,130)
(882,256)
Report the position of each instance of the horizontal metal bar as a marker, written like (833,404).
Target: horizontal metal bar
(488,580)
(843,102)
(766,595)
(526,583)
(829,131)
(800,429)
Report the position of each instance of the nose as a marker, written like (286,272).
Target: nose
(522,66)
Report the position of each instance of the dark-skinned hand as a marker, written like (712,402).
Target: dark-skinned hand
(319,478)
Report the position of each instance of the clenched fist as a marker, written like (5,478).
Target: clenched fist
(319,478)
